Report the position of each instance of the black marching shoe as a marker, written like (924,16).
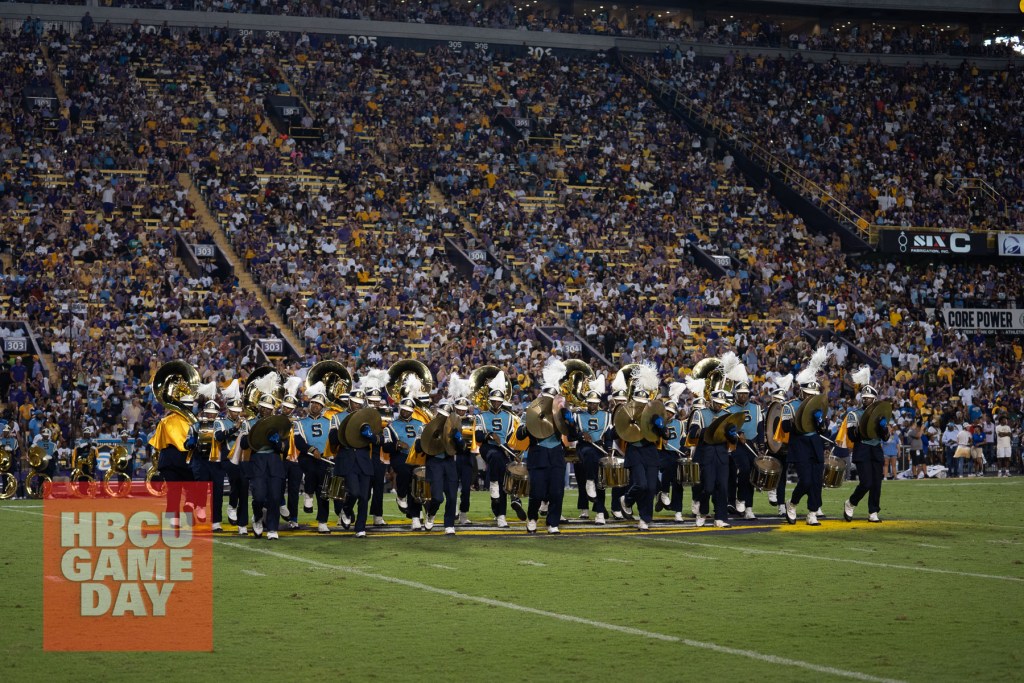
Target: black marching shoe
(517,506)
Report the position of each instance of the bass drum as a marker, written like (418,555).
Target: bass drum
(688,472)
(766,473)
(517,480)
(835,472)
(420,485)
(612,473)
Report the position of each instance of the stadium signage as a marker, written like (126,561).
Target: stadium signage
(932,242)
(15,345)
(203,250)
(272,346)
(1011,244)
(985,320)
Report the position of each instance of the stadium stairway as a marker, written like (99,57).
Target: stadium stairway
(245,280)
(58,85)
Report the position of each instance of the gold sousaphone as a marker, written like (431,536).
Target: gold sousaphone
(868,425)
(575,384)
(173,383)
(709,370)
(251,395)
(117,482)
(481,393)
(804,418)
(399,371)
(336,378)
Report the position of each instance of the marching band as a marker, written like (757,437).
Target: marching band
(645,448)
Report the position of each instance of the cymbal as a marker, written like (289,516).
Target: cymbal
(342,442)
(771,422)
(354,425)
(627,422)
(539,422)
(653,409)
(452,424)
(557,404)
(259,436)
(804,418)
(716,433)
(869,420)
(432,437)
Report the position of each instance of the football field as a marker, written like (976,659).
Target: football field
(936,592)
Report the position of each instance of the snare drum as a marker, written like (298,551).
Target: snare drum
(612,473)
(336,487)
(835,472)
(517,480)
(766,473)
(688,472)
(420,485)
(572,455)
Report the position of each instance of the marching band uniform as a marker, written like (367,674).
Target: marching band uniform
(293,472)
(692,442)
(618,399)
(310,438)
(546,464)
(203,457)
(48,445)
(807,451)
(336,452)
(643,461)
(173,455)
(465,461)
(225,433)
(267,473)
(595,428)
(356,466)
(498,422)
(868,457)
(444,480)
(406,430)
(714,459)
(670,491)
(778,496)
(752,433)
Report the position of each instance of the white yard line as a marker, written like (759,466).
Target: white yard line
(252,572)
(932,545)
(823,558)
(531,563)
(441,566)
(628,630)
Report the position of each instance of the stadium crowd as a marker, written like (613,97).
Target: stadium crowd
(594,223)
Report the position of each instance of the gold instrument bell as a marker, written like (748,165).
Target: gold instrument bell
(355,422)
(716,433)
(709,370)
(261,432)
(336,378)
(539,421)
(576,382)
(654,409)
(481,393)
(37,458)
(804,418)
(627,422)
(172,384)
(868,425)
(397,374)
(251,395)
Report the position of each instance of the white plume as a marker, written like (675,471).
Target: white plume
(291,386)
(675,391)
(498,383)
(785,383)
(208,390)
(862,376)
(619,383)
(645,376)
(729,362)
(458,387)
(554,371)
(268,383)
(373,379)
(814,365)
(231,392)
(599,384)
(413,385)
(695,386)
(317,389)
(738,374)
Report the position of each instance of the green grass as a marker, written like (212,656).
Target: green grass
(363,609)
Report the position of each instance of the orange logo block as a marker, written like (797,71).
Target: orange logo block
(123,574)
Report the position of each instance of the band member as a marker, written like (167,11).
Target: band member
(81,456)
(806,449)
(311,433)
(617,400)
(670,491)
(780,395)
(201,442)
(173,455)
(714,459)
(546,459)
(242,455)
(45,441)
(407,429)
(293,474)
(596,438)
(334,450)
(373,383)
(225,434)
(465,462)
(751,437)
(696,489)
(443,477)
(356,465)
(867,453)
(642,457)
(493,429)
(8,442)
(267,474)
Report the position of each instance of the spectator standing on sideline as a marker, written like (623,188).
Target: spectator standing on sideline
(1003,436)
(891,449)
